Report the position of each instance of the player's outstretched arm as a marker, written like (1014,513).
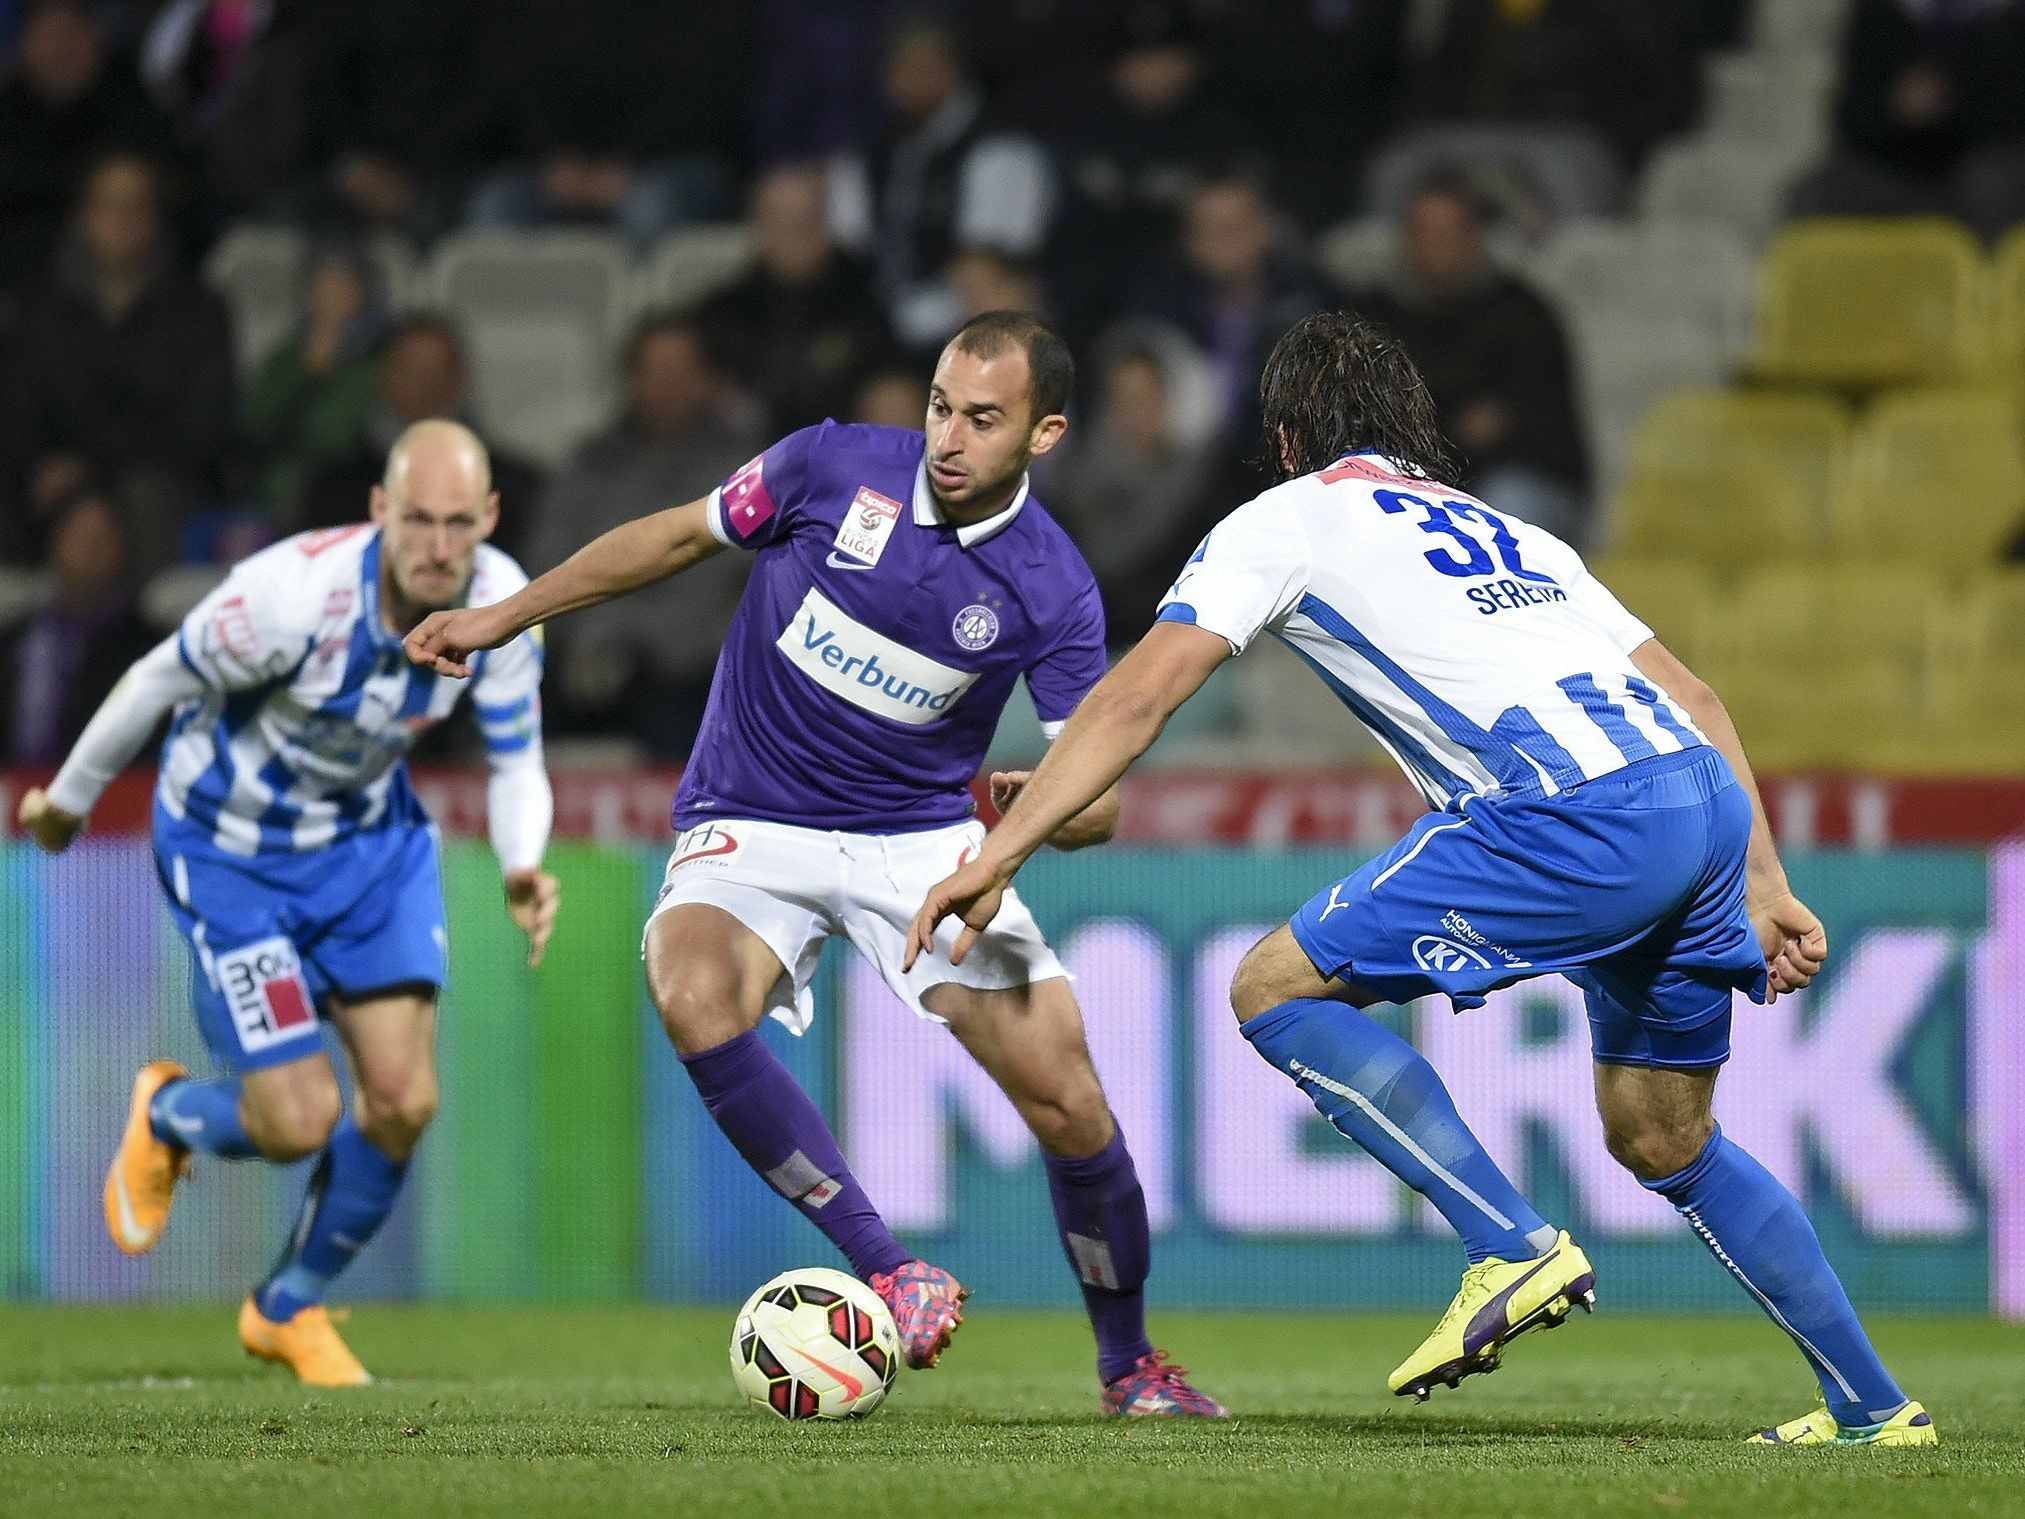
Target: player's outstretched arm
(153,684)
(1795,943)
(1115,724)
(631,555)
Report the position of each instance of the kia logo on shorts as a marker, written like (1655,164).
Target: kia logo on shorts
(1446,957)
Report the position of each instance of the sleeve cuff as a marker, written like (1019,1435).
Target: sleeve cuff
(713,518)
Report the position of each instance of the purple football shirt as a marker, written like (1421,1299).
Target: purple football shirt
(875,645)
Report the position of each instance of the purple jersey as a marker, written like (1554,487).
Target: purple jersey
(875,645)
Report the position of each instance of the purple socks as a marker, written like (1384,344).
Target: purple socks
(770,1120)
(1101,1210)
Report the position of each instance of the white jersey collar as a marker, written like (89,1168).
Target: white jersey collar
(928,511)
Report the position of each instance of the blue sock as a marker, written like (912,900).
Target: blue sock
(349,1197)
(1380,1091)
(1757,1229)
(201,1115)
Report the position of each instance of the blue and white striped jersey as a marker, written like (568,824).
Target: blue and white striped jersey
(1478,649)
(308,706)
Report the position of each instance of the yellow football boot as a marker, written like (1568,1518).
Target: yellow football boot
(1911,1425)
(140,1187)
(307,1345)
(1498,1302)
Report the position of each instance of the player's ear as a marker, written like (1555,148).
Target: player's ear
(490,523)
(379,505)
(1047,433)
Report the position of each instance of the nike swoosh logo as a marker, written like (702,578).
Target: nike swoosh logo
(853,1388)
(131,1232)
(836,563)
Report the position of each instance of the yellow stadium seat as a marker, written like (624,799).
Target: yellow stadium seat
(1864,304)
(1672,597)
(2007,306)
(1834,717)
(1801,439)
(1986,622)
(1810,617)
(1723,515)
(1937,477)
(1976,722)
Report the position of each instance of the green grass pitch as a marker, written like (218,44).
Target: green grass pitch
(621,1411)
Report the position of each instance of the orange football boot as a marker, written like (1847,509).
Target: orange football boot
(307,1345)
(141,1186)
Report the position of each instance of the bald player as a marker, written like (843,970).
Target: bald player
(303,870)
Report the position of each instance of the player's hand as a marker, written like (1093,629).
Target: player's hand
(445,641)
(1794,942)
(46,823)
(972,894)
(1006,785)
(533,898)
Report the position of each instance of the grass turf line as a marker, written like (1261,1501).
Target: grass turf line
(620,1411)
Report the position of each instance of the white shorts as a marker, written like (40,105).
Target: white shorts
(798,887)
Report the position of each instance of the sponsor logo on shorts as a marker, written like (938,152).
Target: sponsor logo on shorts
(865,530)
(266,994)
(866,668)
(1442,956)
(975,627)
(1463,929)
(706,841)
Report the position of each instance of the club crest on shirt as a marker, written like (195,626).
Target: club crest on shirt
(863,534)
(975,627)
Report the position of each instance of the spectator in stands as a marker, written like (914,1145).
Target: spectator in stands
(1320,82)
(70,101)
(1495,357)
(1619,70)
(803,323)
(891,398)
(641,665)
(308,403)
(231,75)
(1238,283)
(938,176)
(58,664)
(983,279)
(1156,126)
(119,367)
(1041,62)
(400,104)
(1930,115)
(1137,481)
(422,372)
(625,111)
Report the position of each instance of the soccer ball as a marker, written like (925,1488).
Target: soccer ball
(815,1344)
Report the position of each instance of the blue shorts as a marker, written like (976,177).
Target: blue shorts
(275,936)
(1631,885)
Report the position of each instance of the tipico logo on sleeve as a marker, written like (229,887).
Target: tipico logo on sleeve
(868,669)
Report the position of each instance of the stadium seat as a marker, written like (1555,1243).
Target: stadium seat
(1780,101)
(1675,598)
(1986,622)
(1869,303)
(21,592)
(1654,271)
(2008,304)
(542,312)
(688,265)
(1850,715)
(1803,27)
(1936,477)
(1811,617)
(1740,185)
(1725,477)
(167,597)
(257,270)
(1975,719)
(1625,367)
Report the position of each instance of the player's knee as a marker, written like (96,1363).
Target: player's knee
(395,1119)
(289,1123)
(1652,1148)
(698,1013)
(1072,1120)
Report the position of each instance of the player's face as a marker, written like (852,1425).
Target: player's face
(431,527)
(981,436)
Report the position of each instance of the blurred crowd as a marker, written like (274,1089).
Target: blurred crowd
(1152,175)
